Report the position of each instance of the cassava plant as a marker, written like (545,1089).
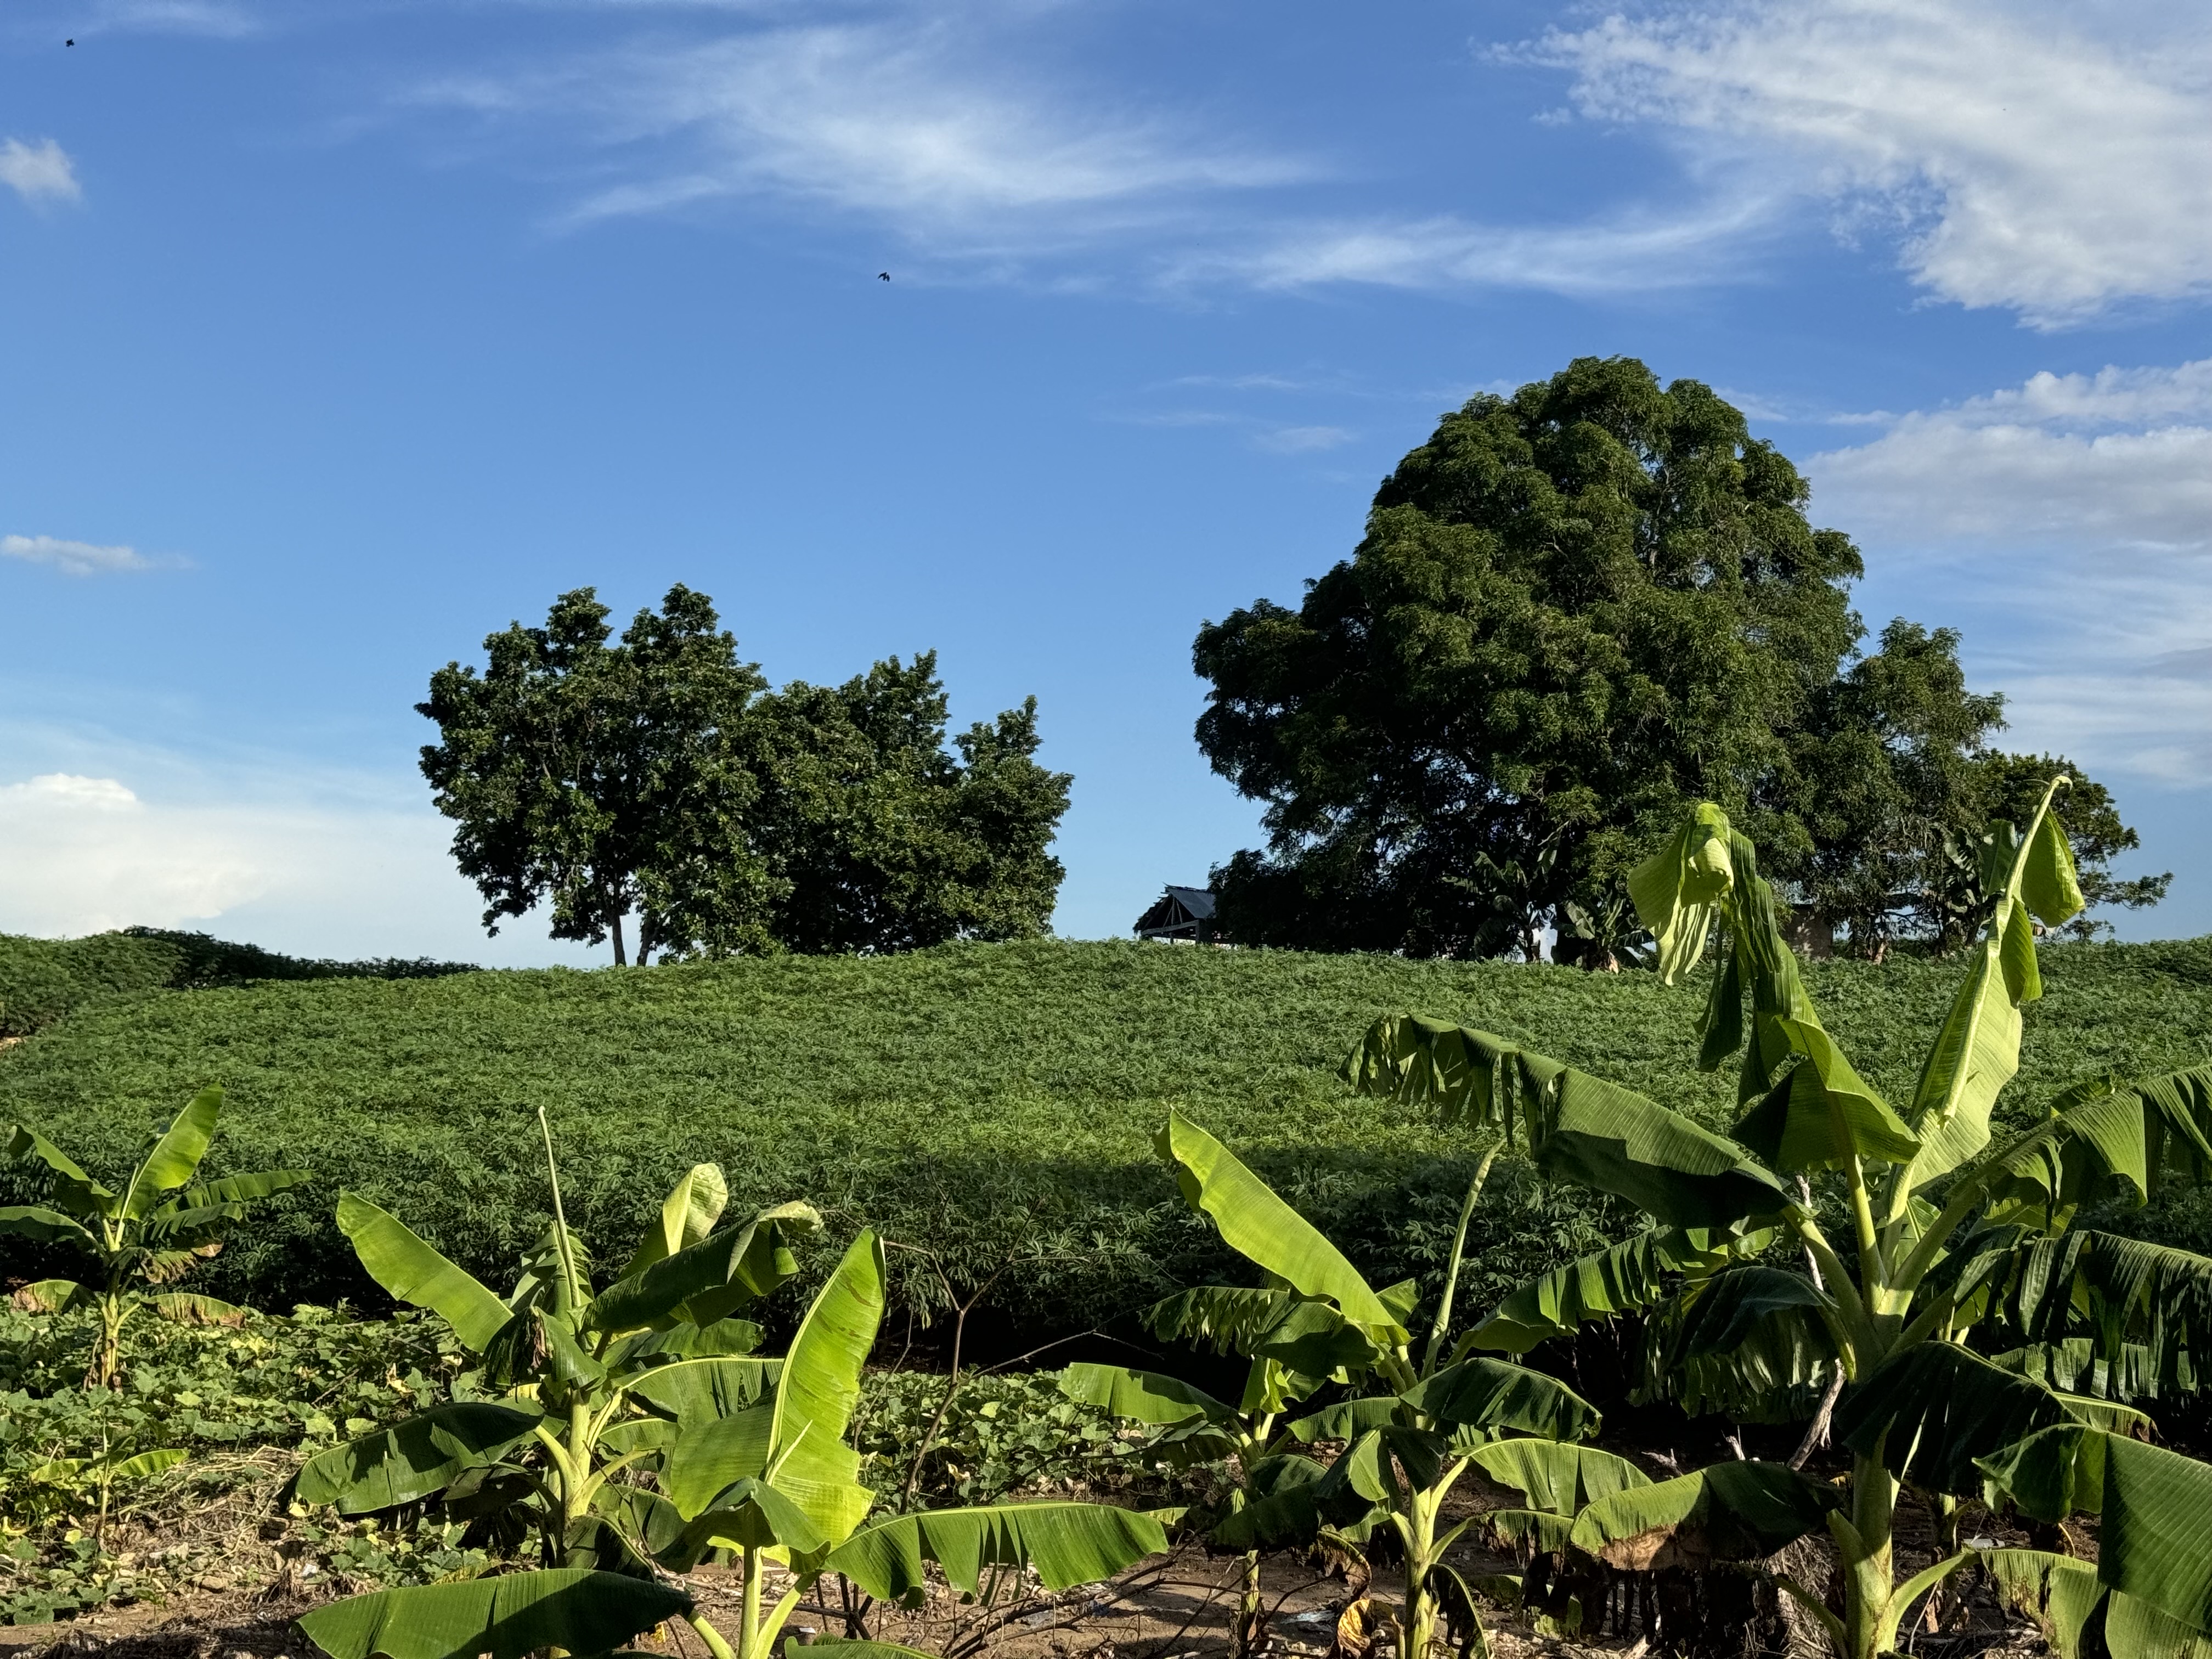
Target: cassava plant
(639,1435)
(146,1236)
(1957,1316)
(1408,1438)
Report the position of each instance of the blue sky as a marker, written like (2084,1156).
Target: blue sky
(334,335)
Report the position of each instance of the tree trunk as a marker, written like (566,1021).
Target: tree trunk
(615,927)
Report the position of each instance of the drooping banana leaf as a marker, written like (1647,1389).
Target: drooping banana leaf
(1977,1050)
(1141,1396)
(414,1273)
(1929,1412)
(415,1458)
(2110,1141)
(2071,1367)
(175,1155)
(1678,891)
(2059,1592)
(1382,1467)
(726,1269)
(695,1389)
(819,1387)
(74,1190)
(238,1188)
(1557,1477)
(1577,1128)
(1278,1509)
(45,1226)
(1346,1419)
(2155,1542)
(1749,1343)
(1067,1544)
(725,1339)
(1227,1318)
(1729,1512)
(1260,1226)
(51,1296)
(505,1617)
(1314,1343)
(2145,1309)
(1624,1277)
(1495,1395)
(181,1308)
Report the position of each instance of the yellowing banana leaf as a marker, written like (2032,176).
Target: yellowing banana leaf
(505,1617)
(851,1649)
(179,1308)
(819,1387)
(415,1458)
(1495,1395)
(1260,1226)
(414,1273)
(144,1465)
(749,1261)
(688,1214)
(695,1389)
(1977,1050)
(1929,1412)
(1141,1396)
(1729,1512)
(51,1296)
(1678,891)
(1578,1127)
(175,1155)
(1067,1544)
(1558,1477)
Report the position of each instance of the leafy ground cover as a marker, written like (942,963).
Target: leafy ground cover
(993,1106)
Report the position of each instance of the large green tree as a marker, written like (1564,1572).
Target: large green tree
(655,776)
(1576,611)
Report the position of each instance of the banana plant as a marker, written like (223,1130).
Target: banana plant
(1406,1441)
(1961,1292)
(149,1234)
(643,1435)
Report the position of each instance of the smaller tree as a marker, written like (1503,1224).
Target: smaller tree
(606,778)
(138,1237)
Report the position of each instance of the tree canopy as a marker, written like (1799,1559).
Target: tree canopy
(657,775)
(1576,609)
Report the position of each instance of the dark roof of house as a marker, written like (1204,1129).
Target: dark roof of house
(1175,908)
(1199,901)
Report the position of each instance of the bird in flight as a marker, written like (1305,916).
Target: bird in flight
(68,43)
(883,275)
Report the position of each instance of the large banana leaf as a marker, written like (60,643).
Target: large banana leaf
(2155,1542)
(1224,1317)
(1929,1412)
(695,1389)
(819,1387)
(505,1617)
(176,1154)
(1260,1226)
(725,1339)
(748,1514)
(1557,1477)
(34,1221)
(1494,1394)
(51,1296)
(713,1453)
(750,1260)
(1578,1127)
(1977,1050)
(74,1191)
(2108,1142)
(1679,891)
(408,1268)
(1141,1396)
(415,1458)
(1066,1544)
(1729,1512)
(1624,1277)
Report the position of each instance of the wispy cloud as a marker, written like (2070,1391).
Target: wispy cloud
(2074,513)
(75,558)
(2023,159)
(39,173)
(1304,439)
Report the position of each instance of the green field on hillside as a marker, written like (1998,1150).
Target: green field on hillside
(992,1104)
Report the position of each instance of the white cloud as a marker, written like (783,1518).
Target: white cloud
(923,124)
(2029,156)
(73,558)
(2068,520)
(1627,254)
(39,173)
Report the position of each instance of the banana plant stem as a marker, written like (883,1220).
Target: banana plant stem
(1451,1275)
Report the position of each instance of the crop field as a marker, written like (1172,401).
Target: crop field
(992,1106)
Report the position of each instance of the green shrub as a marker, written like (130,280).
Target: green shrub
(992,1103)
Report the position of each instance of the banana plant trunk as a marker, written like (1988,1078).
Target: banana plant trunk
(106,1369)
(1863,1543)
(1420,1531)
